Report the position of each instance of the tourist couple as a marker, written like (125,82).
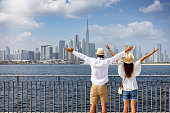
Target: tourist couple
(127,69)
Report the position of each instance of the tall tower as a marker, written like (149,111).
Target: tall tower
(7,54)
(61,47)
(46,52)
(159,53)
(87,40)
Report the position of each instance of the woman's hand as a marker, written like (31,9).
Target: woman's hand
(154,50)
(129,48)
(107,46)
(70,49)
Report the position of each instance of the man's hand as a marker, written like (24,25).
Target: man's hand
(70,49)
(107,46)
(154,50)
(128,48)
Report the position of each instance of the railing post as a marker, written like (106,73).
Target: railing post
(76,96)
(4,99)
(156,97)
(165,97)
(151,97)
(160,98)
(13,97)
(63,97)
(110,97)
(54,98)
(8,96)
(138,98)
(142,96)
(85,97)
(58,94)
(17,91)
(49,96)
(115,98)
(40,97)
(67,96)
(147,97)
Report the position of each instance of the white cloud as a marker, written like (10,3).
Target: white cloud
(22,13)
(132,30)
(11,20)
(23,40)
(156,6)
(134,33)
(23,36)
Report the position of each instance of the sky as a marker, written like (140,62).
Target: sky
(28,24)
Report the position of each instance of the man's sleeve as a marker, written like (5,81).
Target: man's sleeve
(82,56)
(114,58)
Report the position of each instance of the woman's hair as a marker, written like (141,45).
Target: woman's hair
(128,69)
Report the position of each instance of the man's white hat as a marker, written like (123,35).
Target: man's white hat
(100,51)
(128,58)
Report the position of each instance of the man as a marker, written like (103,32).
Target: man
(99,75)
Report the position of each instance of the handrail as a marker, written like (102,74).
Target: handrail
(73,96)
(85,75)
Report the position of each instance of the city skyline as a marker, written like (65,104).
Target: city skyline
(119,22)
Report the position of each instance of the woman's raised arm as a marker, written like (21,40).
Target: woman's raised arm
(142,59)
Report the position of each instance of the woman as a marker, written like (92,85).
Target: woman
(128,70)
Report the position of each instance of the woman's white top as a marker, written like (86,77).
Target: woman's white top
(129,83)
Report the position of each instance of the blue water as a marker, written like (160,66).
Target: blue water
(74,70)
(77,70)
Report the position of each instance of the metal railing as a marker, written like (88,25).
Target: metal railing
(74,96)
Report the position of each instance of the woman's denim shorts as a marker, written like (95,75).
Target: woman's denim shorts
(130,95)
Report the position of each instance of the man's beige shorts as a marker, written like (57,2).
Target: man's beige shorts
(97,91)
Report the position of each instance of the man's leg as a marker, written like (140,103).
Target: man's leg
(93,98)
(126,106)
(133,104)
(92,108)
(104,98)
(104,108)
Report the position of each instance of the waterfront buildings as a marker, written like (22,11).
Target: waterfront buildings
(79,44)
(159,53)
(2,55)
(46,52)
(61,49)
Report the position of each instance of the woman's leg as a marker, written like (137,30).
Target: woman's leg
(104,108)
(126,106)
(133,104)
(92,108)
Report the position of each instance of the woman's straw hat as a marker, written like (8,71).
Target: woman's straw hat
(100,51)
(128,58)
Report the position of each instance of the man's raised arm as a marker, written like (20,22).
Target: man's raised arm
(79,55)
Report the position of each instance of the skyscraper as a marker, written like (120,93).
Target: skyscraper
(139,53)
(37,55)
(7,54)
(61,47)
(92,50)
(159,53)
(55,54)
(83,46)
(87,40)
(116,51)
(76,43)
(30,55)
(2,55)
(70,54)
(46,52)
(23,55)
(134,52)
(70,43)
